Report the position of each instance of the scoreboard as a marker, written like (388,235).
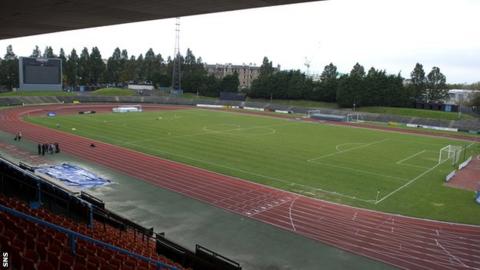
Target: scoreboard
(40,74)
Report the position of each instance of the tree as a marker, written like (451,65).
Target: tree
(210,87)
(36,52)
(267,67)
(475,101)
(72,69)
(64,63)
(96,65)
(230,83)
(48,53)
(351,89)
(114,67)
(194,74)
(358,70)
(84,67)
(419,82)
(329,83)
(436,83)
(9,69)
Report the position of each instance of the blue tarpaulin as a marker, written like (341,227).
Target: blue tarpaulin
(73,175)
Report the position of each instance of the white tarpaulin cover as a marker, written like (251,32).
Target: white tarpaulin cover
(73,175)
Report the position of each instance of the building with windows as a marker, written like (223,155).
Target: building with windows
(246,73)
(461,96)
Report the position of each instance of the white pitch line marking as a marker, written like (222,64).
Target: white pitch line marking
(360,171)
(340,145)
(409,157)
(410,182)
(348,150)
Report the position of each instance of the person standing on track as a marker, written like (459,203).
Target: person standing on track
(39,146)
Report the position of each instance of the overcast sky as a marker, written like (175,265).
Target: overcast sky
(386,34)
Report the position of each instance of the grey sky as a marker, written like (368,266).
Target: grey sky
(387,34)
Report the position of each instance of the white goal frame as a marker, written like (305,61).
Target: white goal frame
(452,152)
(354,117)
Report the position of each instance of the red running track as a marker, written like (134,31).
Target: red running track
(404,242)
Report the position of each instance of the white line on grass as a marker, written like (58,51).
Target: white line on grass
(205,133)
(361,171)
(342,144)
(348,150)
(409,157)
(409,182)
(415,179)
(289,183)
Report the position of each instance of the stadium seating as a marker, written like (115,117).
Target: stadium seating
(33,246)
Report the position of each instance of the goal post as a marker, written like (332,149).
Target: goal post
(354,117)
(452,152)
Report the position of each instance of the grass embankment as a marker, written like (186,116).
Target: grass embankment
(298,103)
(411,112)
(113,92)
(194,96)
(391,172)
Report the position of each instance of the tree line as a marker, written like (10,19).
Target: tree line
(87,67)
(358,88)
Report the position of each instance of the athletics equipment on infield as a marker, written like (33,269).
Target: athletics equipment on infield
(128,108)
(452,152)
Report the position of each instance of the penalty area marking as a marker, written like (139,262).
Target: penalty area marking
(361,171)
(348,150)
(400,162)
(415,179)
(410,157)
(340,145)
(410,182)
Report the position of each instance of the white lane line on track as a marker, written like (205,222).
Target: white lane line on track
(290,213)
(451,255)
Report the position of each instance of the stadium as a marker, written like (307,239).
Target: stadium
(151,180)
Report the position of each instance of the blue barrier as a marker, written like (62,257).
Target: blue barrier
(72,236)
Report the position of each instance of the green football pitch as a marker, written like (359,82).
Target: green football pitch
(387,171)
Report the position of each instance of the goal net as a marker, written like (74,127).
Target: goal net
(452,152)
(127,108)
(354,117)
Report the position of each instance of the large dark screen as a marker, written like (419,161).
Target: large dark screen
(37,72)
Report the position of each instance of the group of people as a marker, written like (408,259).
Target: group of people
(48,148)
(18,136)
